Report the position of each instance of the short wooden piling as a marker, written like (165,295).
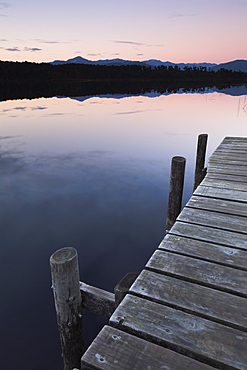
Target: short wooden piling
(67,296)
(200,171)
(122,288)
(176,190)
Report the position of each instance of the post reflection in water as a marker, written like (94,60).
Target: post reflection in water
(93,174)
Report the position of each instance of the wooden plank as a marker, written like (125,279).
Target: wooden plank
(217,160)
(114,349)
(218,205)
(214,219)
(199,271)
(209,234)
(228,194)
(230,150)
(202,339)
(189,297)
(226,156)
(97,300)
(205,250)
(225,184)
(232,170)
(226,176)
(234,141)
(235,138)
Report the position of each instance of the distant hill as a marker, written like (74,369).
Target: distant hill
(156,63)
(109,62)
(235,65)
(150,62)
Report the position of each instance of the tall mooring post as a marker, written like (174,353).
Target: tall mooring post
(67,296)
(200,171)
(176,190)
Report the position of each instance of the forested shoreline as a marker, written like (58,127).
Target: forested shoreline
(31,80)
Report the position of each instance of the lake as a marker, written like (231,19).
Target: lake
(92,173)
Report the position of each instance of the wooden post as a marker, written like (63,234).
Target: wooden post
(200,171)
(122,288)
(67,296)
(175,191)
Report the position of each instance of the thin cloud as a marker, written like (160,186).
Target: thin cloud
(130,112)
(13,49)
(52,41)
(94,55)
(135,43)
(129,42)
(38,108)
(180,15)
(3,5)
(32,49)
(3,40)
(9,137)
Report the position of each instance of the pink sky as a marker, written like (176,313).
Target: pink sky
(176,30)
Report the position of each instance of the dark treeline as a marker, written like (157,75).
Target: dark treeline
(30,80)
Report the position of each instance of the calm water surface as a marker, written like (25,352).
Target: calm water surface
(90,173)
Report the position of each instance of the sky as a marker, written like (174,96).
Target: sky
(213,31)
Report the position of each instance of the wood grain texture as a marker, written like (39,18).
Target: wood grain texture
(232,170)
(205,251)
(202,339)
(226,176)
(218,205)
(193,298)
(114,349)
(209,234)
(97,300)
(67,296)
(219,160)
(224,184)
(214,219)
(228,194)
(198,271)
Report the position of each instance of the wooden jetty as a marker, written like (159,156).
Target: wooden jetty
(187,309)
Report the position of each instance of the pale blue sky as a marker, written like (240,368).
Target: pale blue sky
(176,30)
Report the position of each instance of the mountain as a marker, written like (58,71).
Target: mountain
(117,61)
(235,65)
(77,60)
(156,63)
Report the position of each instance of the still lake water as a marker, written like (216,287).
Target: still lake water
(90,173)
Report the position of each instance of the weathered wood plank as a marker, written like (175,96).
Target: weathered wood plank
(234,138)
(202,339)
(234,141)
(232,170)
(218,205)
(199,271)
(214,219)
(97,300)
(217,160)
(225,184)
(205,250)
(230,151)
(228,194)
(196,299)
(226,156)
(209,234)
(114,349)
(227,177)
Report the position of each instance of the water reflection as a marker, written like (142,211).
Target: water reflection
(92,174)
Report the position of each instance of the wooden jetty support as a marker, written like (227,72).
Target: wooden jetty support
(187,309)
